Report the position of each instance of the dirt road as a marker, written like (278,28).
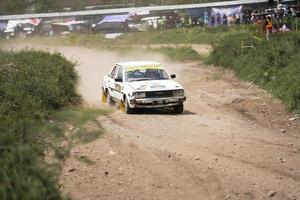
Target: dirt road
(232,142)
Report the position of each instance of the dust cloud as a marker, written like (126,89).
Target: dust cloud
(93,64)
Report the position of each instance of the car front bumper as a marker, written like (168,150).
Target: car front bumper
(157,102)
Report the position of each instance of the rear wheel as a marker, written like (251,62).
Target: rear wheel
(128,110)
(178,108)
(110,102)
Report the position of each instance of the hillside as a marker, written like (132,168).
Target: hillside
(21,6)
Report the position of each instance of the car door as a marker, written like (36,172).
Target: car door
(119,83)
(111,81)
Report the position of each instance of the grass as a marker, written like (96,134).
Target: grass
(31,164)
(80,122)
(38,106)
(84,135)
(77,115)
(179,53)
(273,65)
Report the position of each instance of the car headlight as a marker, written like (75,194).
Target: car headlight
(140,95)
(177,93)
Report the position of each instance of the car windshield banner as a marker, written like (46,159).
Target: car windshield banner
(145,67)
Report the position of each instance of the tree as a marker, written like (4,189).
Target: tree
(46,5)
(16,6)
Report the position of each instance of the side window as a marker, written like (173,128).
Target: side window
(120,73)
(113,72)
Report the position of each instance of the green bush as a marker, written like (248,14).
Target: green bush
(33,82)
(23,174)
(273,64)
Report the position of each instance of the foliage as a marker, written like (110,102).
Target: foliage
(272,64)
(23,175)
(33,84)
(80,119)
(47,5)
(15,6)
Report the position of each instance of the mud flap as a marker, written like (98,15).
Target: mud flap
(104,99)
(122,106)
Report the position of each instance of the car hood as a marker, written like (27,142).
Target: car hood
(155,85)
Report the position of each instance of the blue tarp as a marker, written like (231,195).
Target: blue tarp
(2,26)
(115,18)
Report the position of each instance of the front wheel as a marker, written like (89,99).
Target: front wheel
(178,109)
(128,110)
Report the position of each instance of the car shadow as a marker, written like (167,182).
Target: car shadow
(160,111)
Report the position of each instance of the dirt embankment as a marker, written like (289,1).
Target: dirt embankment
(232,142)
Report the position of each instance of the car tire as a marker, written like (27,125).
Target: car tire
(110,102)
(128,110)
(178,109)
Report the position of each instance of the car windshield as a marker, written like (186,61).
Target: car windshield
(146,74)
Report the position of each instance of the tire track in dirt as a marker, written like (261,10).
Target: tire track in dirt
(213,152)
(135,135)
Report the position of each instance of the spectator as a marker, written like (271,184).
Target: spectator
(218,19)
(205,18)
(190,20)
(225,20)
(212,20)
(182,22)
(268,27)
(238,19)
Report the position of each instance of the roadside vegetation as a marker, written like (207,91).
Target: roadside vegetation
(270,64)
(179,54)
(40,119)
(273,65)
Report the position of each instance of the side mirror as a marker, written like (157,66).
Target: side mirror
(118,80)
(173,76)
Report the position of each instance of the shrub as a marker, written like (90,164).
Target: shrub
(33,82)
(273,64)
(23,174)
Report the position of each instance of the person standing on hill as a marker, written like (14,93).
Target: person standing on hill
(218,19)
(205,18)
(225,20)
(268,27)
(212,20)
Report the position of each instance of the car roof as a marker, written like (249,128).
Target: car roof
(137,63)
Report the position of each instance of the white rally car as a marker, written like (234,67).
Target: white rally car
(142,85)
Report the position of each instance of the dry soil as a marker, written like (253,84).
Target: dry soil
(233,141)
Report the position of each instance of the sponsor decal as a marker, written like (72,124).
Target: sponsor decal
(133,68)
